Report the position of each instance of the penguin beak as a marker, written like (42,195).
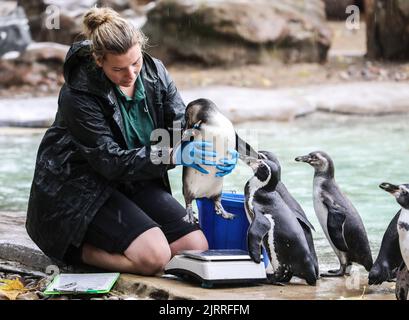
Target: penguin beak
(391,188)
(306,159)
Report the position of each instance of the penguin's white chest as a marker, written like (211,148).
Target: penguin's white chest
(322,214)
(320,210)
(403,231)
(223,137)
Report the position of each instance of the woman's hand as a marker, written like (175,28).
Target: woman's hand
(193,154)
(226,166)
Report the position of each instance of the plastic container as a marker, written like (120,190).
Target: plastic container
(223,233)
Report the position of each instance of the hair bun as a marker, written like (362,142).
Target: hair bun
(96,17)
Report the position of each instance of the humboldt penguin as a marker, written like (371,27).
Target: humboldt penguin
(204,122)
(294,206)
(274,226)
(339,219)
(389,257)
(401,193)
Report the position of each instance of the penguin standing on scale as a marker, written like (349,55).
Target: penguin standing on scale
(274,226)
(339,219)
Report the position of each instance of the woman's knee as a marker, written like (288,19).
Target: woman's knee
(195,240)
(154,260)
(149,252)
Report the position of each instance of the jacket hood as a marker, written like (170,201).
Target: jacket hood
(81,72)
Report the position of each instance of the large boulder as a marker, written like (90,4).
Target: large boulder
(235,32)
(61,20)
(387,29)
(34,10)
(14,29)
(40,66)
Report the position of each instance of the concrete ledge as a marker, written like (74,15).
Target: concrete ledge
(19,254)
(355,288)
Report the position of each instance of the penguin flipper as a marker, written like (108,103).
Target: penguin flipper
(304,220)
(293,205)
(335,223)
(255,235)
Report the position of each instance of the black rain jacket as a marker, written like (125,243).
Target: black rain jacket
(83,156)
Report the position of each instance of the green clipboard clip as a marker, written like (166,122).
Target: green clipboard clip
(82,283)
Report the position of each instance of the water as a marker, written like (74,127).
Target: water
(366,152)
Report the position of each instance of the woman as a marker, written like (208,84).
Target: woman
(97,198)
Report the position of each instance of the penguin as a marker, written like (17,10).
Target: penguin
(274,226)
(295,207)
(401,193)
(339,219)
(204,121)
(402,283)
(389,257)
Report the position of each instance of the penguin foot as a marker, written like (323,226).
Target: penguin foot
(220,211)
(226,215)
(332,275)
(190,216)
(335,273)
(274,282)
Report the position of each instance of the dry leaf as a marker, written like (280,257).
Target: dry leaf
(11,289)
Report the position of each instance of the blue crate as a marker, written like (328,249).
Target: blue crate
(222,233)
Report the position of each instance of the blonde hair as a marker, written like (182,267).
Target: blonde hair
(110,33)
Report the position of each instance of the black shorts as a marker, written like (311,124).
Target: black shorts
(123,218)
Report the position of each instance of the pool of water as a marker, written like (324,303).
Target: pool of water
(366,152)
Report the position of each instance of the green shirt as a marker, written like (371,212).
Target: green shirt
(138,122)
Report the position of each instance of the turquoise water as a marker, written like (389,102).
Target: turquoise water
(366,152)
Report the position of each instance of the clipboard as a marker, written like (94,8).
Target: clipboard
(82,283)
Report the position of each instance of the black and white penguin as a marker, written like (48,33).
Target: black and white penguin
(274,226)
(204,122)
(402,282)
(295,207)
(401,193)
(339,219)
(389,257)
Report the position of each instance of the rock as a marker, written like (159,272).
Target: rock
(39,66)
(34,10)
(28,296)
(117,5)
(386,40)
(45,52)
(61,21)
(56,20)
(238,103)
(226,32)
(70,15)
(14,29)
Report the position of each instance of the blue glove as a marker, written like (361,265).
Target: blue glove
(193,154)
(226,166)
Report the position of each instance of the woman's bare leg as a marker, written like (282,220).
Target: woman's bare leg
(146,255)
(192,241)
